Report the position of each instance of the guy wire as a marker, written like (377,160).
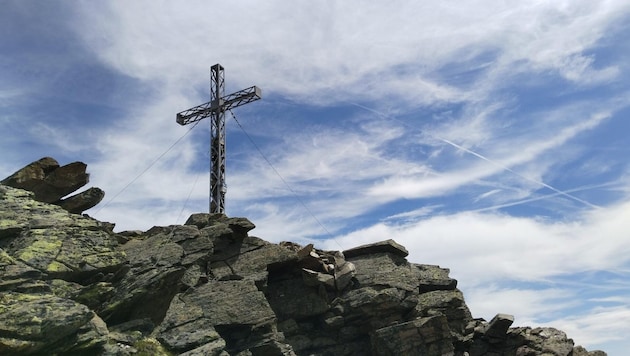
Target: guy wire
(146,169)
(295,195)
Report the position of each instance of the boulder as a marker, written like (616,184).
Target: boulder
(581,351)
(543,340)
(239,226)
(49,183)
(31,175)
(326,268)
(92,338)
(292,298)
(524,341)
(20,212)
(375,306)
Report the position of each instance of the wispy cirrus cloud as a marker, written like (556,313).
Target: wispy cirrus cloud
(464,131)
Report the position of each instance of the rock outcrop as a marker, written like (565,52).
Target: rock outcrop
(69,285)
(50,183)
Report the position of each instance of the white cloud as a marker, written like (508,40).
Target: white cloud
(526,305)
(339,50)
(413,214)
(347,53)
(407,186)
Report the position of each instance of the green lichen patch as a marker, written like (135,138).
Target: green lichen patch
(105,260)
(69,253)
(39,253)
(19,211)
(5,259)
(57,267)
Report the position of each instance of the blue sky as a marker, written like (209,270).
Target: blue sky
(487,137)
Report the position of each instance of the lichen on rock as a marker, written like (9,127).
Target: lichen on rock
(69,285)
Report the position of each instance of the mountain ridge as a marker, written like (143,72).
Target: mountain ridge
(70,285)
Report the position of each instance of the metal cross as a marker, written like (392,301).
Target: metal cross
(216,108)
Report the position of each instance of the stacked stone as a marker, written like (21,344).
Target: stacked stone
(50,183)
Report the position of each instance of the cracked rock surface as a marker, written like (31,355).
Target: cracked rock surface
(70,285)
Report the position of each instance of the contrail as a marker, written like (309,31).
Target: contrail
(524,201)
(478,155)
(497,164)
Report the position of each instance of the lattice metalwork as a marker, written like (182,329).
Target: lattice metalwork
(215,109)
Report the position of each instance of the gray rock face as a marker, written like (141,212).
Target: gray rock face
(431,337)
(31,323)
(69,285)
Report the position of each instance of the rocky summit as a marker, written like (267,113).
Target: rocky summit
(69,285)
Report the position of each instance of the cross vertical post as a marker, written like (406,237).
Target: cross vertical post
(218,186)
(215,109)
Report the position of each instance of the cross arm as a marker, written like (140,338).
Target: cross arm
(227,102)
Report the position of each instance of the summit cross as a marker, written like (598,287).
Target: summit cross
(215,109)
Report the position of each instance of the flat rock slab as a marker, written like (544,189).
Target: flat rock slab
(83,201)
(388,246)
